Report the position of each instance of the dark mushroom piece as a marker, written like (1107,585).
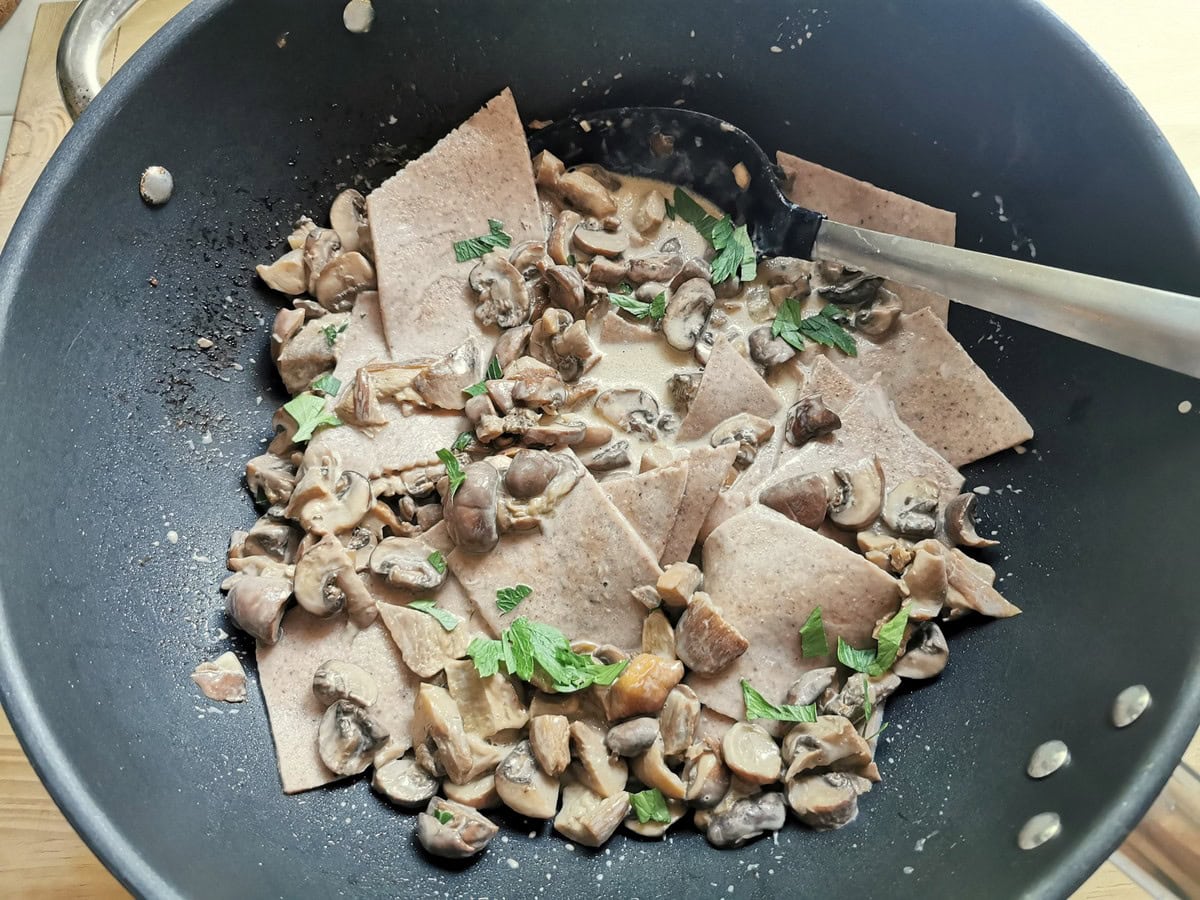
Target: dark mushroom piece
(348,217)
(343,280)
(859,289)
(470,512)
(787,270)
(705,778)
(927,653)
(454,831)
(802,498)
(524,787)
(607,459)
(630,409)
(405,783)
(565,286)
(809,418)
(911,507)
(602,270)
(256,605)
(658,268)
(881,316)
(687,313)
(746,430)
(503,296)
(512,345)
(704,640)
(959,519)
(633,737)
(746,819)
(857,495)
(348,738)
(682,389)
(767,350)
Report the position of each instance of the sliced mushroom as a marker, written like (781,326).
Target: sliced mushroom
(564,431)
(704,640)
(320,246)
(655,829)
(607,459)
(802,498)
(768,350)
(443,382)
(927,653)
(706,779)
(530,258)
(687,313)
(547,170)
(310,353)
(809,418)
(852,291)
(516,513)
(488,706)
(598,770)
(650,212)
(751,753)
(829,742)
(787,270)
(524,787)
(326,580)
(925,582)
(586,194)
(511,345)
(632,738)
(631,409)
(563,344)
(404,562)
(436,720)
(271,478)
(337,510)
(890,553)
(696,267)
(598,242)
(301,229)
(343,279)
(682,389)
(256,605)
(678,582)
(970,587)
(566,289)
(562,234)
(348,217)
(589,818)
(287,274)
(911,507)
(602,270)
(550,740)
(222,678)
(850,702)
(650,768)
(470,512)
(857,495)
(680,716)
(960,523)
(348,738)
(657,269)
(746,819)
(812,686)
(405,783)
(658,637)
(530,473)
(454,831)
(823,801)
(503,296)
(287,324)
(746,430)
(643,686)
(337,679)
(478,794)
(881,316)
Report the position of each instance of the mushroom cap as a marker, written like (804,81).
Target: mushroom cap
(768,350)
(880,316)
(633,737)
(926,655)
(256,605)
(404,562)
(746,819)
(823,801)
(959,521)
(524,787)
(911,507)
(751,753)
(320,573)
(347,215)
(565,286)
(858,496)
(687,313)
(746,430)
(802,498)
(348,738)
(503,296)
(809,418)
(470,512)
(342,280)
(338,679)
(405,783)
(156,185)
(466,834)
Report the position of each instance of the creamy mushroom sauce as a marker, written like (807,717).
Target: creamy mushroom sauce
(665,731)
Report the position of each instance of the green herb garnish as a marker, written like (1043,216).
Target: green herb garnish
(758,707)
(693,213)
(493,370)
(650,806)
(826,327)
(308,410)
(510,598)
(453,469)
(473,248)
(443,816)
(462,441)
(876,662)
(438,561)
(480,387)
(445,618)
(327,384)
(532,649)
(333,332)
(812,636)
(735,253)
(640,309)
(477,389)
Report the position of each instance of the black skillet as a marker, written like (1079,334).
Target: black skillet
(261,110)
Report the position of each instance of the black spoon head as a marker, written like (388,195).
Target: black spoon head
(696,151)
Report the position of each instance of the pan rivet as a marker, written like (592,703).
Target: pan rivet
(1130,704)
(1041,828)
(1047,759)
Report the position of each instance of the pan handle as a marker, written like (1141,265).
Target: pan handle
(1162,855)
(80,47)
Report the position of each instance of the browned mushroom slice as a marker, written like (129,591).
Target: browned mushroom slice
(680,716)
(562,234)
(809,418)
(802,498)
(443,382)
(436,720)
(524,787)
(857,495)
(338,679)
(487,705)
(326,581)
(911,507)
(503,296)
(586,194)
(222,678)
(823,801)
(632,738)
(643,686)
(745,820)
(405,783)
(348,738)
(287,274)
(748,432)
(550,741)
(470,512)
(454,831)
(256,606)
(477,794)
(271,478)
(589,818)
(959,519)
(925,581)
(829,742)
(678,582)
(751,753)
(687,313)
(565,286)
(926,655)
(601,772)
(658,637)
(704,640)
(404,563)
(768,350)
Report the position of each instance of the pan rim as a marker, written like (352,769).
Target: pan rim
(70,791)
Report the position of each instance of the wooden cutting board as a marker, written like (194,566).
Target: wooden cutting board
(40,854)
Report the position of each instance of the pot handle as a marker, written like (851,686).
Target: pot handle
(79,50)
(1162,855)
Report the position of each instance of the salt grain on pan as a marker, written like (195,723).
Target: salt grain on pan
(512,863)
(908,870)
(982,490)
(1185,406)
(172,537)
(776,49)
(203,343)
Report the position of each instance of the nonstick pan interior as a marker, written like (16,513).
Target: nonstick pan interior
(119,429)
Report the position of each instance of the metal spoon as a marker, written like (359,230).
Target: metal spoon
(699,151)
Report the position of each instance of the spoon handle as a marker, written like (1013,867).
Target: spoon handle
(1156,326)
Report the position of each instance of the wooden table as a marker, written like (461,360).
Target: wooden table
(40,855)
